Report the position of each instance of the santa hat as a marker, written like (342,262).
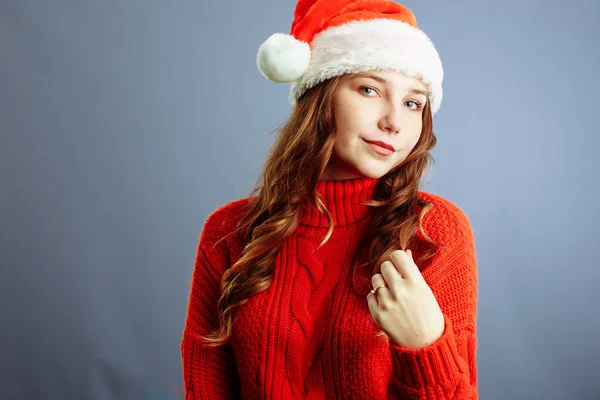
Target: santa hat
(333,37)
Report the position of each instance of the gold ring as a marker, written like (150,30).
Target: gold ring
(374,291)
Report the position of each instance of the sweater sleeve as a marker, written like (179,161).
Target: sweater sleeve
(445,369)
(208,372)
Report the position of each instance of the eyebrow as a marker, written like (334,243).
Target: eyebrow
(382,80)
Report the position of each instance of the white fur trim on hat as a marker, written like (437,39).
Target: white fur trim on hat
(283,58)
(360,46)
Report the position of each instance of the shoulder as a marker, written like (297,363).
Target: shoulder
(222,221)
(445,221)
(217,241)
(225,217)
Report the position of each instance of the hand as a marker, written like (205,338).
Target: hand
(406,309)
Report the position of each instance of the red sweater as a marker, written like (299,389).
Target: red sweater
(309,335)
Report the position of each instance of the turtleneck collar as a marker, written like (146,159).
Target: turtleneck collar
(343,199)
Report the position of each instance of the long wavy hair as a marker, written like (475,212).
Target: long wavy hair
(292,170)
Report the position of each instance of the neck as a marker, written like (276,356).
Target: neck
(344,199)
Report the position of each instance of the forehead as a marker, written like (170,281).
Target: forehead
(391,78)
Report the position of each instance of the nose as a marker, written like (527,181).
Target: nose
(391,119)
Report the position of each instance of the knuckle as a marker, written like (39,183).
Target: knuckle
(397,253)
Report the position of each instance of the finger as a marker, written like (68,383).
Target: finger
(391,276)
(405,265)
(382,293)
(373,303)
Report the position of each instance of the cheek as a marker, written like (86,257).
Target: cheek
(415,133)
(410,146)
(344,117)
(347,127)
(415,140)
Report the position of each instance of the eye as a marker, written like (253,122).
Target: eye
(419,106)
(367,87)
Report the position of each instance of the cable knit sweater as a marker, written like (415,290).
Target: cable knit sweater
(309,336)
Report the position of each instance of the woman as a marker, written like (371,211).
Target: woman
(338,277)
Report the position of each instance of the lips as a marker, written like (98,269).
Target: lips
(380,149)
(382,144)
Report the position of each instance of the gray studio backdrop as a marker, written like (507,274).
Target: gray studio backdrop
(124,124)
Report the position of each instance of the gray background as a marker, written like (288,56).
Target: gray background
(124,124)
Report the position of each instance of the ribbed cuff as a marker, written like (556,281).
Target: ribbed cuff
(436,364)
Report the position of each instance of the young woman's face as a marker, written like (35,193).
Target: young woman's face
(375,106)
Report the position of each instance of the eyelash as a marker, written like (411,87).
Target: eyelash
(419,105)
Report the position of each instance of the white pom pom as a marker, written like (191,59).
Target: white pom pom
(283,58)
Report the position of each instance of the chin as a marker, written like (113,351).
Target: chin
(374,172)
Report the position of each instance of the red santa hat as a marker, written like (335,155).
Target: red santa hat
(334,37)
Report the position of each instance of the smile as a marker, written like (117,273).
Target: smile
(380,149)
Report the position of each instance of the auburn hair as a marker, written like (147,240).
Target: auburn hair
(289,176)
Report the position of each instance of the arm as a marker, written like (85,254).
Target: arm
(445,369)
(208,372)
